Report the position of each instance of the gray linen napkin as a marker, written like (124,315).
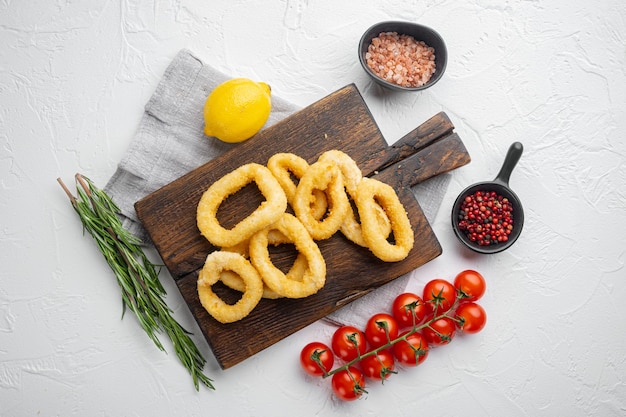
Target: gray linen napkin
(170,142)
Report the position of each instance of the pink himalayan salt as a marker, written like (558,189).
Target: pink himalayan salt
(400,59)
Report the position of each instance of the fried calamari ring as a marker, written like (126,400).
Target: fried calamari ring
(274,237)
(352,175)
(240,248)
(233,281)
(282,166)
(349,169)
(314,276)
(327,177)
(215,264)
(370,193)
(353,231)
(267,213)
(286,166)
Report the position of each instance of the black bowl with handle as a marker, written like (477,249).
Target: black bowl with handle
(501,186)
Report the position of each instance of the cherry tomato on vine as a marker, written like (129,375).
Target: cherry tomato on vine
(348,343)
(413,351)
(440,331)
(319,351)
(472,317)
(470,284)
(378,327)
(379,366)
(406,306)
(348,384)
(439,294)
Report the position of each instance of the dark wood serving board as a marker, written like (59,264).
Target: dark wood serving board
(338,121)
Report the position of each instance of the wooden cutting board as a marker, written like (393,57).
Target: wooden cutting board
(338,121)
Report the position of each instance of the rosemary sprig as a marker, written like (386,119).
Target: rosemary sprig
(138,278)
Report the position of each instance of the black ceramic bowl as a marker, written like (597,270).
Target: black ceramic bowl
(501,186)
(420,33)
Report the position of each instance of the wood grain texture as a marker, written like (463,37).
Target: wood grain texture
(339,121)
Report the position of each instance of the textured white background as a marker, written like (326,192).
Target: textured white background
(74,77)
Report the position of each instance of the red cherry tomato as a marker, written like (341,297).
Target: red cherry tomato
(439,294)
(380,329)
(440,331)
(348,384)
(412,352)
(314,352)
(472,317)
(348,343)
(379,366)
(470,284)
(407,306)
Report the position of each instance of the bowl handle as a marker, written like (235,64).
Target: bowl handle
(511,159)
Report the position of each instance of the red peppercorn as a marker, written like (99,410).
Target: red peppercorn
(486,218)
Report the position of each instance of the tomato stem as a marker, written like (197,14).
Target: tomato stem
(316,357)
(358,389)
(385,370)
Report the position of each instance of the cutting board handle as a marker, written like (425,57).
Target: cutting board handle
(422,136)
(450,152)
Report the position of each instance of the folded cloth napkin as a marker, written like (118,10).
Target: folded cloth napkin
(170,142)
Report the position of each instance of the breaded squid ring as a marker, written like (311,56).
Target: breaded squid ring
(327,177)
(314,276)
(370,193)
(350,171)
(233,281)
(353,230)
(352,175)
(274,237)
(285,166)
(267,213)
(215,264)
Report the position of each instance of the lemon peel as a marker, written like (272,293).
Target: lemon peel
(237,109)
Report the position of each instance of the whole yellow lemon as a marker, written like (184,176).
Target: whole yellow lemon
(237,109)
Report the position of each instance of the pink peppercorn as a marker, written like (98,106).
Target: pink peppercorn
(486,218)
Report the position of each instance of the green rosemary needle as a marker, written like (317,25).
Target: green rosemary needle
(138,278)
